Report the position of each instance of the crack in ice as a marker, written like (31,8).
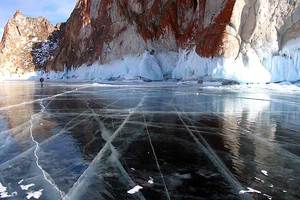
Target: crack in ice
(42,99)
(80,182)
(28,151)
(156,160)
(105,135)
(216,161)
(46,176)
(124,172)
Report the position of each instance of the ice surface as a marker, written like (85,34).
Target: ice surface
(175,140)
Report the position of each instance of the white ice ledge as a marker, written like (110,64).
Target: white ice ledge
(188,65)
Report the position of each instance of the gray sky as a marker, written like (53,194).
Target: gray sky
(54,10)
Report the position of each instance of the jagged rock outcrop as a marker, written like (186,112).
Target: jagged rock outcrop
(267,25)
(27,44)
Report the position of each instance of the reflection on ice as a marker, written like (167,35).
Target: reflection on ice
(252,104)
(151,141)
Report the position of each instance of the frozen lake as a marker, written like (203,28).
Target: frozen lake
(148,141)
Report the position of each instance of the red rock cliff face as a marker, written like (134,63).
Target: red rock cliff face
(103,30)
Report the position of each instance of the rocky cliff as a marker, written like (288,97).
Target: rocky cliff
(247,32)
(27,44)
(109,29)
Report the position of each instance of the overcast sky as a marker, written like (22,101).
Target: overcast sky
(54,10)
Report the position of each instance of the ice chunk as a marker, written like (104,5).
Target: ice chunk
(167,62)
(149,68)
(135,189)
(4,195)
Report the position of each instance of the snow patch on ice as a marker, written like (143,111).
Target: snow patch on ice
(26,187)
(135,189)
(34,194)
(2,188)
(4,194)
(249,190)
(268,196)
(264,172)
(151,180)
